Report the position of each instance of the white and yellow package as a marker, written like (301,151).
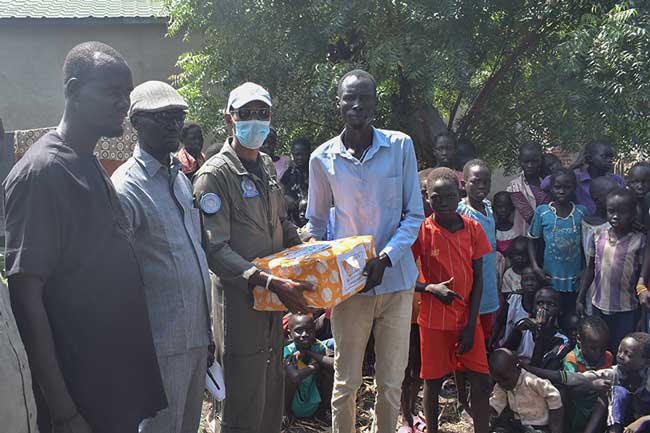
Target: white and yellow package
(335,268)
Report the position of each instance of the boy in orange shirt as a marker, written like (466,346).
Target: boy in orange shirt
(449,247)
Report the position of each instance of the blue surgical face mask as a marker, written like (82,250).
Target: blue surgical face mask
(252,133)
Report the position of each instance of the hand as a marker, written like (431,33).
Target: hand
(466,339)
(374,271)
(291,293)
(543,276)
(602,386)
(543,318)
(638,426)
(580,309)
(528,325)
(644,300)
(443,292)
(76,424)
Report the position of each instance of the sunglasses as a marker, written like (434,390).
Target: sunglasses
(167,117)
(246,114)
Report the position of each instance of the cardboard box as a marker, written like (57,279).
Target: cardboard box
(335,268)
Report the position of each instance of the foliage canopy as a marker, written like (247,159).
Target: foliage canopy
(496,72)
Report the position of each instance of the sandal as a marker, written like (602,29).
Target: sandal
(419,426)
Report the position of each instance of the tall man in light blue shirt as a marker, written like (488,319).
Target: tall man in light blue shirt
(158,201)
(370,178)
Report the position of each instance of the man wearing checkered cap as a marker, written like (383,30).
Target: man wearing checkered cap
(244,217)
(158,201)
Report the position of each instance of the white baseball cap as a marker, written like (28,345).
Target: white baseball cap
(246,93)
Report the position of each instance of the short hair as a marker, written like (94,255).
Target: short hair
(644,340)
(361,75)
(187,128)
(475,163)
(591,147)
(297,316)
(441,174)
(639,164)
(82,59)
(595,324)
(563,172)
(519,239)
(531,145)
(301,141)
(444,134)
(503,194)
(623,193)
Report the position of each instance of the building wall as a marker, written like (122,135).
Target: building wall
(32,53)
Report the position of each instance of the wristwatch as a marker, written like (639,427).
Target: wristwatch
(248,273)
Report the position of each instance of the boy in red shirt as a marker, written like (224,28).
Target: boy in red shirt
(449,248)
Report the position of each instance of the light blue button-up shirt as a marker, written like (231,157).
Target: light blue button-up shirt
(379,196)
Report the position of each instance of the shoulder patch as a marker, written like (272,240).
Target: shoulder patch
(210,203)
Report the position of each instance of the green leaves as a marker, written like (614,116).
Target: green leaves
(555,71)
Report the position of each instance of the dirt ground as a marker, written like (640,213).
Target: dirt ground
(451,423)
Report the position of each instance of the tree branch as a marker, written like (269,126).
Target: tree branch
(531,39)
(454,110)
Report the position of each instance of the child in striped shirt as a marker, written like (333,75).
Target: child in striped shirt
(616,256)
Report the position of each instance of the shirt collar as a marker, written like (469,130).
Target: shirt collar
(152,165)
(233,159)
(378,140)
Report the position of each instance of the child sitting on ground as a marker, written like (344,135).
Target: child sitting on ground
(449,330)
(626,384)
(537,340)
(308,369)
(616,256)
(520,305)
(559,225)
(503,220)
(518,257)
(535,403)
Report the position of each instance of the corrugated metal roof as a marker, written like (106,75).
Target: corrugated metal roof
(81,8)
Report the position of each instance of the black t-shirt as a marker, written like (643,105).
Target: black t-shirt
(296,183)
(253,167)
(65,225)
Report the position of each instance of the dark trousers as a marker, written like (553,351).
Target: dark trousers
(619,324)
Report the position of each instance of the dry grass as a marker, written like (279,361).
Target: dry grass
(450,422)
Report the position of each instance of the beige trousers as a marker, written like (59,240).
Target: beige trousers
(389,318)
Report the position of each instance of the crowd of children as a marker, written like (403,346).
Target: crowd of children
(535,301)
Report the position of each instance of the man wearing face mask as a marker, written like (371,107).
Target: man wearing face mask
(244,217)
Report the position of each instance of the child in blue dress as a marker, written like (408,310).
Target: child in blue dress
(559,225)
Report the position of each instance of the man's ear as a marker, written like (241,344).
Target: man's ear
(71,88)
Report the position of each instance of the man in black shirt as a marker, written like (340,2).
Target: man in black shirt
(75,284)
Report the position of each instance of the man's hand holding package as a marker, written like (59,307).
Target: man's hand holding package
(374,271)
(291,293)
